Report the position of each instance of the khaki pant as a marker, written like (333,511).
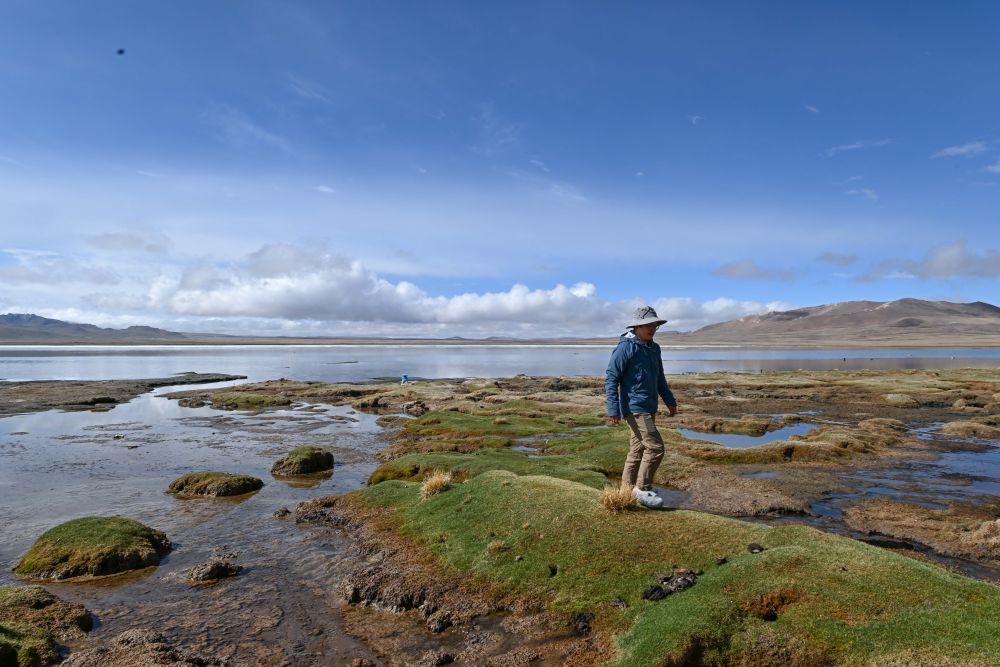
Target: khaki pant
(645,451)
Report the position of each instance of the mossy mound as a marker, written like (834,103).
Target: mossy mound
(971,429)
(32,621)
(92,546)
(825,598)
(754,425)
(213,484)
(303,461)
(234,400)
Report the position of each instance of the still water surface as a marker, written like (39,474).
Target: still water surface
(354,363)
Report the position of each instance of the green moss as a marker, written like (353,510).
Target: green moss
(92,546)
(852,602)
(303,460)
(24,646)
(231,400)
(214,484)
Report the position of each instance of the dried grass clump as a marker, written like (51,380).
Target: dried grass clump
(617,497)
(434,484)
(501,420)
(496,547)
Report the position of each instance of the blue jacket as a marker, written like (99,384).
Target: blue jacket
(635,378)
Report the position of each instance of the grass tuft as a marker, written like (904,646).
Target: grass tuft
(617,498)
(435,484)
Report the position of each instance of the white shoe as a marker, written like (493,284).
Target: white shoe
(647,498)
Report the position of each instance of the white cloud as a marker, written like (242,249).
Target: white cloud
(837,258)
(33,267)
(306,89)
(695,119)
(810,108)
(748,269)
(326,189)
(239,130)
(285,283)
(144,239)
(951,260)
(965,150)
(857,145)
(994,168)
(867,193)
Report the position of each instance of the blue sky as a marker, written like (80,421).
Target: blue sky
(523,168)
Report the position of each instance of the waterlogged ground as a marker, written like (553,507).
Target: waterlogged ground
(283,609)
(55,466)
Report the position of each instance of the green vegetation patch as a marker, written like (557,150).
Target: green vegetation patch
(453,431)
(415,467)
(809,596)
(303,461)
(92,546)
(233,400)
(213,484)
(31,620)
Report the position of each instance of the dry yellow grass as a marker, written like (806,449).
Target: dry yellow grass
(617,497)
(435,483)
(497,547)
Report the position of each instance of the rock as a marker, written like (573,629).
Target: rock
(582,622)
(139,647)
(439,621)
(303,461)
(618,602)
(754,548)
(219,566)
(435,658)
(678,583)
(721,561)
(41,619)
(654,593)
(92,547)
(416,408)
(191,403)
(281,513)
(213,485)
(901,400)
(363,662)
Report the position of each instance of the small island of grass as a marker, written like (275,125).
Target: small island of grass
(303,461)
(213,484)
(92,547)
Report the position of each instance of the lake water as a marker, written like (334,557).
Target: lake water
(354,363)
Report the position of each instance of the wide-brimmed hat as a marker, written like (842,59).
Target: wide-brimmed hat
(645,315)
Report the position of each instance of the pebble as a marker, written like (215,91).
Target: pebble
(754,548)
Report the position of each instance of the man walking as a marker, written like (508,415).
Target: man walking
(634,386)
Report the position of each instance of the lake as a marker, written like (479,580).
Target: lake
(356,363)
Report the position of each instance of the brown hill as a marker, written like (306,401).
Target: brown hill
(25,328)
(901,322)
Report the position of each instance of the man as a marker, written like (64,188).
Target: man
(634,386)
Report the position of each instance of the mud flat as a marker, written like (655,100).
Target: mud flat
(38,395)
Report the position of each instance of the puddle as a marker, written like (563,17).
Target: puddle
(763,474)
(740,441)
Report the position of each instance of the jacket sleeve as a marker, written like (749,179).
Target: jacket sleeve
(662,388)
(616,368)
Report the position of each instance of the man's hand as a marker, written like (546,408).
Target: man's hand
(672,409)
(614,420)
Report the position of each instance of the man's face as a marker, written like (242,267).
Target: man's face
(646,332)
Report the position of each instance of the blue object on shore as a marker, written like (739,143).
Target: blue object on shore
(403,379)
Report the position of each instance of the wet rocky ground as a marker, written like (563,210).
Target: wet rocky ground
(860,453)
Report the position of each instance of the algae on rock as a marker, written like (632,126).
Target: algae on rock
(91,547)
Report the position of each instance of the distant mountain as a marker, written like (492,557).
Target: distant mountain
(23,328)
(901,322)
